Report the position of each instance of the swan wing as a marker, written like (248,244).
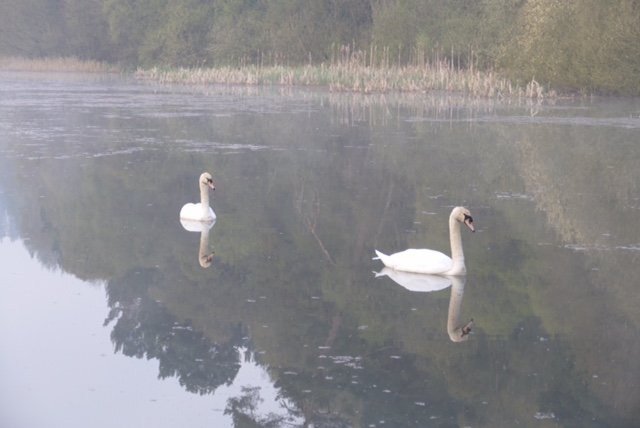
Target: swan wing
(188,210)
(192,211)
(418,261)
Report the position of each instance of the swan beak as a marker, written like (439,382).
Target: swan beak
(210,184)
(469,222)
(205,261)
(467,328)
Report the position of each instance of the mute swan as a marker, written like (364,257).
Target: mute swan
(201,211)
(456,331)
(416,282)
(430,261)
(205,255)
(424,283)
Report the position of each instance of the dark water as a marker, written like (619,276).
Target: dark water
(108,319)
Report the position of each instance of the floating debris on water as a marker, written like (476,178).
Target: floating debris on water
(544,415)
(512,195)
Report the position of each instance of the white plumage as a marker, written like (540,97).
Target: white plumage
(202,211)
(433,262)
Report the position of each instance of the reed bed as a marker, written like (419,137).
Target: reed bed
(349,77)
(350,74)
(55,64)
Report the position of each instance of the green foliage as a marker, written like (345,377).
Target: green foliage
(182,37)
(31,27)
(87,27)
(590,45)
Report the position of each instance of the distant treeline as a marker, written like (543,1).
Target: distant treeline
(588,45)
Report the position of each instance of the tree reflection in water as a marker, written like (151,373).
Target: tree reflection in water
(145,329)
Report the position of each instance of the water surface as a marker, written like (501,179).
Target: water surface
(107,315)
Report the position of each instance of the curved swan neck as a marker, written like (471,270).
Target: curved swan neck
(204,254)
(454,329)
(457,255)
(455,239)
(204,197)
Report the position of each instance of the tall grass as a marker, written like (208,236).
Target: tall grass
(55,64)
(361,72)
(358,72)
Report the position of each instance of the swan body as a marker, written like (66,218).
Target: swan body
(197,226)
(423,283)
(200,212)
(416,282)
(205,255)
(433,262)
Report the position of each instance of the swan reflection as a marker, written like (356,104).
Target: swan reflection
(423,283)
(205,254)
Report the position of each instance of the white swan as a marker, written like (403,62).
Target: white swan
(430,261)
(200,212)
(416,282)
(456,331)
(205,254)
(423,283)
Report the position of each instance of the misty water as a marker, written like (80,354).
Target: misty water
(108,317)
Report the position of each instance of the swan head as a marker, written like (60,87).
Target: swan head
(205,260)
(463,215)
(461,334)
(207,181)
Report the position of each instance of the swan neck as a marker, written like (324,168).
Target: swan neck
(204,197)
(204,253)
(453,316)
(456,240)
(204,243)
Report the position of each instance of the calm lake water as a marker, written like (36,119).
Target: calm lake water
(108,319)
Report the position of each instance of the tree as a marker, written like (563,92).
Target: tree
(86,30)
(588,45)
(32,28)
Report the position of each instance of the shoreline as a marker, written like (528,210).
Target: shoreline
(56,64)
(355,79)
(349,77)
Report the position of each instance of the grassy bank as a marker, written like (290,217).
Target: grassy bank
(345,76)
(57,64)
(355,78)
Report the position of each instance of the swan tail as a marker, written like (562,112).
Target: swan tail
(382,257)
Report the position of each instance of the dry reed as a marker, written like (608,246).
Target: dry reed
(55,64)
(355,77)
(347,72)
